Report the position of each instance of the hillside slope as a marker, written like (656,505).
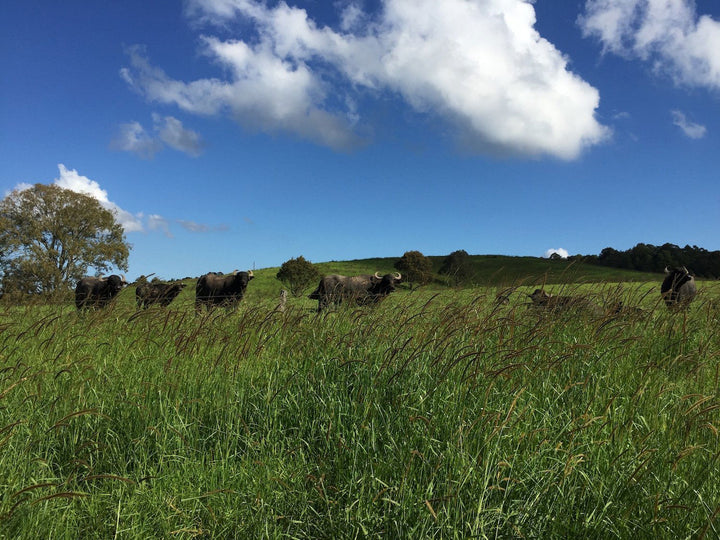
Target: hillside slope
(489,270)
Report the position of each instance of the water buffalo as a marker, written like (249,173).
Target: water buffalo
(678,289)
(94,292)
(212,289)
(147,294)
(364,289)
(543,300)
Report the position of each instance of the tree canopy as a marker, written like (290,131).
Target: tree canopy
(297,274)
(457,267)
(415,268)
(650,258)
(51,236)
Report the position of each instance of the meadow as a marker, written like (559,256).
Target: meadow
(437,414)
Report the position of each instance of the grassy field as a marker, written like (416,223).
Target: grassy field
(436,414)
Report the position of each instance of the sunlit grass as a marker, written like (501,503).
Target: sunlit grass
(432,415)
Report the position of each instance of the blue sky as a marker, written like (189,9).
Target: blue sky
(231,134)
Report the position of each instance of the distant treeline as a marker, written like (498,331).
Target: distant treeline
(649,258)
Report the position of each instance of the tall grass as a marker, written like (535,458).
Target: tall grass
(433,415)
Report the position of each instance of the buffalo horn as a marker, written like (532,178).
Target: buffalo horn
(377,275)
(250,274)
(397,276)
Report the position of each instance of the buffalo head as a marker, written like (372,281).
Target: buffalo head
(678,288)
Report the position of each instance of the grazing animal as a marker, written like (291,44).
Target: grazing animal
(363,289)
(94,292)
(215,290)
(503,296)
(147,294)
(543,300)
(678,288)
(619,309)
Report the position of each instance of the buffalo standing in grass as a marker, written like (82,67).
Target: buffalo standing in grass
(678,289)
(215,290)
(94,292)
(147,294)
(541,299)
(364,289)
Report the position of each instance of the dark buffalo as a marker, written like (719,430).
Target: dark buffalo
(678,289)
(543,300)
(94,292)
(213,289)
(147,294)
(364,289)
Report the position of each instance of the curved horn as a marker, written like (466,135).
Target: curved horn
(666,270)
(123,278)
(250,274)
(397,276)
(377,275)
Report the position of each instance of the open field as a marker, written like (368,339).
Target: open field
(436,414)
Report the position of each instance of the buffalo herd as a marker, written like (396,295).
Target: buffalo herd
(215,289)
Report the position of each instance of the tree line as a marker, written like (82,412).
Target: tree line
(650,258)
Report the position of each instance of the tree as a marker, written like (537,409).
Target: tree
(415,268)
(297,275)
(50,236)
(457,266)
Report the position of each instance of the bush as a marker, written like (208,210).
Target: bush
(415,268)
(457,267)
(297,275)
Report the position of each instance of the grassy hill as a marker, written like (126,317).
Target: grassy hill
(489,271)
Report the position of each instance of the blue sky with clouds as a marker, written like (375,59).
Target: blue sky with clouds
(236,133)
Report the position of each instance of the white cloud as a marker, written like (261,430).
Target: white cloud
(192,226)
(691,129)
(171,132)
(667,33)
(132,137)
(156,222)
(560,251)
(21,186)
(70,179)
(478,64)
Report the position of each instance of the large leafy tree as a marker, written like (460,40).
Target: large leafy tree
(415,268)
(457,267)
(50,236)
(298,274)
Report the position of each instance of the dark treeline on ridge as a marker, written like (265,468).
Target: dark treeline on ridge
(650,258)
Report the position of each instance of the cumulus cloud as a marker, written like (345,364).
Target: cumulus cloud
(132,137)
(667,33)
(70,179)
(478,65)
(560,251)
(690,129)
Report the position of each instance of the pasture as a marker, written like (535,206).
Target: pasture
(438,413)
